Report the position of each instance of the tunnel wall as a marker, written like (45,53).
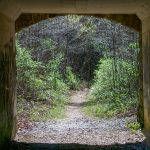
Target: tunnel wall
(7,80)
(8,69)
(146,75)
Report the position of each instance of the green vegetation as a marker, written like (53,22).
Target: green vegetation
(42,85)
(48,70)
(114,89)
(133,126)
(72,80)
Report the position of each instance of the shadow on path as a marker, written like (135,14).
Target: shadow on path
(82,104)
(43,146)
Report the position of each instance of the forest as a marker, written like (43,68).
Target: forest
(71,53)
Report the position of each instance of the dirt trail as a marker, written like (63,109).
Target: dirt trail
(78,99)
(80,129)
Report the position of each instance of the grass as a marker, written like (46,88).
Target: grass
(106,110)
(95,110)
(41,110)
(44,113)
(133,126)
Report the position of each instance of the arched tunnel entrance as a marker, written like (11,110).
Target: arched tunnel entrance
(8,53)
(136,39)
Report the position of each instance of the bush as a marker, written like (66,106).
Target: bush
(41,90)
(72,80)
(115,87)
(36,80)
(133,126)
(41,84)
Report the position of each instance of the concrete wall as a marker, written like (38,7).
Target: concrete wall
(7,79)
(146,75)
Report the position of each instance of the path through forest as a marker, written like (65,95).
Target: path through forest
(79,129)
(78,100)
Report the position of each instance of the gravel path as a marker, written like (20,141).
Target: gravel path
(78,129)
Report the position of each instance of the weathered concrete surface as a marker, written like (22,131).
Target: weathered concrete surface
(140,112)
(146,75)
(13,8)
(7,80)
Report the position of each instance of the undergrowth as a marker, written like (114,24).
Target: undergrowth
(110,94)
(41,111)
(133,126)
(42,90)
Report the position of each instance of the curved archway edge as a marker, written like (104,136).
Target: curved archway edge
(131,21)
(126,12)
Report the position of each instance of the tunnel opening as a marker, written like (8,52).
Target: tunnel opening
(103,48)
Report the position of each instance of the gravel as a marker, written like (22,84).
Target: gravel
(78,131)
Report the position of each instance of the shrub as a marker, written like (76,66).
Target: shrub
(133,126)
(114,89)
(72,80)
(36,80)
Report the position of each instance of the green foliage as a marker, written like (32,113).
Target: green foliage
(38,81)
(114,89)
(88,27)
(41,82)
(133,126)
(42,112)
(72,80)
(72,19)
(27,70)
